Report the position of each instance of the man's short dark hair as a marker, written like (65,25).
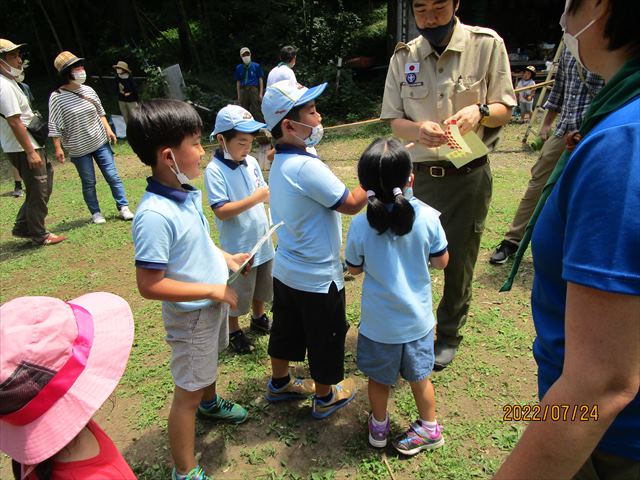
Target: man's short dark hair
(288,53)
(160,123)
(293,114)
(622,25)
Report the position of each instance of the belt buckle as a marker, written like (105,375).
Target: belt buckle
(436,171)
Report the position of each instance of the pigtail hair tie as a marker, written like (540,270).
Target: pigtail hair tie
(397,191)
(371,193)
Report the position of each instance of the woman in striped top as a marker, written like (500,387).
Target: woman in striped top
(77,119)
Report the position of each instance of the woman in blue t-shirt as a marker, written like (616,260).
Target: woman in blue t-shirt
(586,255)
(396,240)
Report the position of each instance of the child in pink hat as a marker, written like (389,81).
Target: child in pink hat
(60,361)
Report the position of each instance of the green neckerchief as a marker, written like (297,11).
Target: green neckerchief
(624,86)
(282,63)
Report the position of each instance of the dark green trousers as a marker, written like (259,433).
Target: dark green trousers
(464,202)
(604,466)
(250,100)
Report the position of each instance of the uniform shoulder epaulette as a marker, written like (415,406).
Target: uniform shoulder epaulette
(401,46)
(484,31)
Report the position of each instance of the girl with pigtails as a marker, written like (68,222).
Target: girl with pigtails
(393,245)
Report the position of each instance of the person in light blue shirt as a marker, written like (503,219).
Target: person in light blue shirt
(177,262)
(237,191)
(393,245)
(308,300)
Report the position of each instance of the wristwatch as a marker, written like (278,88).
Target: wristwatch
(484,111)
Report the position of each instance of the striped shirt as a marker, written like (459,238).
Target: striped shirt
(572,93)
(77,120)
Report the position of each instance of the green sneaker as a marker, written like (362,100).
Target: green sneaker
(195,474)
(224,410)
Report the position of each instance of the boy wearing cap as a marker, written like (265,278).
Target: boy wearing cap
(177,262)
(249,78)
(126,88)
(309,300)
(237,191)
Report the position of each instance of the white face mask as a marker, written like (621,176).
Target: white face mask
(123,75)
(79,77)
(316,135)
(182,178)
(247,59)
(13,71)
(225,152)
(571,41)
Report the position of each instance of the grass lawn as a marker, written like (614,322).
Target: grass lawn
(494,366)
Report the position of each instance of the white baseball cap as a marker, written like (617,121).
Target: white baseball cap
(235,117)
(281,97)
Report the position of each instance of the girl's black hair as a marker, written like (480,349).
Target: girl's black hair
(160,123)
(384,166)
(43,470)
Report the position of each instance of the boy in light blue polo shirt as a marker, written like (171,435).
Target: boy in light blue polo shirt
(309,301)
(237,192)
(177,262)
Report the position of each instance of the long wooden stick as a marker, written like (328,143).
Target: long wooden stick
(386,464)
(535,87)
(363,122)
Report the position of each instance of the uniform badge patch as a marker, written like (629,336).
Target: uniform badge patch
(411,78)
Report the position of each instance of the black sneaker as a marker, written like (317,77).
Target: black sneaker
(240,343)
(505,250)
(261,324)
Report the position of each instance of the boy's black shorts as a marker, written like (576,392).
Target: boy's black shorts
(310,322)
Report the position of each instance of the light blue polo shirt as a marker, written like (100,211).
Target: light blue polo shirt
(228,181)
(396,292)
(305,195)
(171,233)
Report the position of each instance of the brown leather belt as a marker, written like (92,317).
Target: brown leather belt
(439,171)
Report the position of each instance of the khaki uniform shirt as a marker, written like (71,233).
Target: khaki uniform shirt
(422,85)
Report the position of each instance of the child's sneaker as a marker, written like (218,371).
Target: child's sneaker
(240,343)
(296,389)
(341,395)
(261,324)
(417,438)
(223,410)
(378,433)
(195,474)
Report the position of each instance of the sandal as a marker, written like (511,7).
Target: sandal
(240,343)
(51,239)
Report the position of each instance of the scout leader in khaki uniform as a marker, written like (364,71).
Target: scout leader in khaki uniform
(451,71)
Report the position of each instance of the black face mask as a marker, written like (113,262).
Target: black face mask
(438,35)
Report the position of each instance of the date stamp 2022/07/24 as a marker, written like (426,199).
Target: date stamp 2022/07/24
(554,413)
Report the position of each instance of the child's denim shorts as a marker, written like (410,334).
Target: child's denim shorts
(383,362)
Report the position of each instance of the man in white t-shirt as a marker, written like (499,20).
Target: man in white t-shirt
(24,153)
(284,70)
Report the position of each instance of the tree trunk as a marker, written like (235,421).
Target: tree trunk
(51,27)
(43,52)
(141,28)
(189,53)
(74,26)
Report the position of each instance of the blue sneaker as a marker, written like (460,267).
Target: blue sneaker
(223,410)
(342,394)
(296,389)
(195,474)
(418,438)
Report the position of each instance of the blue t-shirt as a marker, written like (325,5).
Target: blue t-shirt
(171,233)
(396,304)
(589,234)
(305,195)
(228,181)
(248,75)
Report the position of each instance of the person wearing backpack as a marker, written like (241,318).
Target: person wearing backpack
(26,154)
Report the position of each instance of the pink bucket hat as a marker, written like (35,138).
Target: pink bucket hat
(60,361)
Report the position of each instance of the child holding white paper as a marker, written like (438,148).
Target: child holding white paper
(236,191)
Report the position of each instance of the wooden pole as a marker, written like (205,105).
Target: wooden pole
(535,87)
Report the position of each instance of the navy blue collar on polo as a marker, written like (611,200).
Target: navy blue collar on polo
(171,193)
(232,164)
(289,149)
